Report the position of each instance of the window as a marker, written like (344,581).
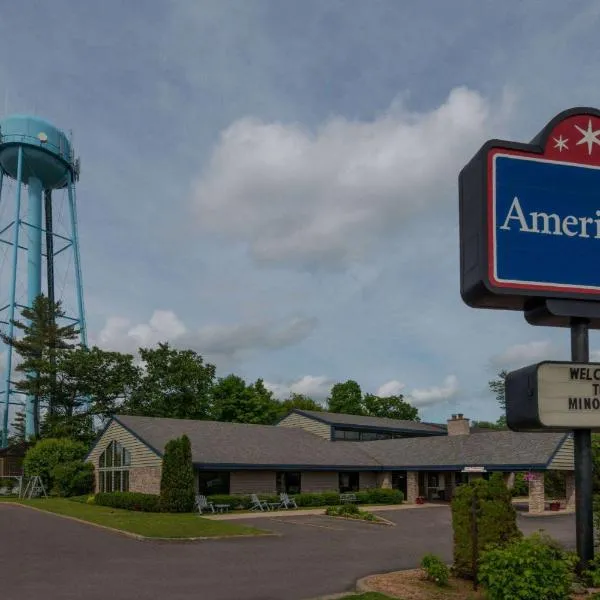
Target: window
(348,482)
(289,482)
(113,468)
(211,483)
(343,434)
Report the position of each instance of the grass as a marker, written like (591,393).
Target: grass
(368,596)
(152,525)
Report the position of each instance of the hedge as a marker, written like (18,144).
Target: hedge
(129,501)
(177,480)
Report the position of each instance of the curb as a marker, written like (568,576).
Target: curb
(144,538)
(549,513)
(380,520)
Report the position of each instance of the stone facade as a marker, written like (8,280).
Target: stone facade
(509,480)
(458,425)
(412,486)
(537,498)
(570,491)
(145,480)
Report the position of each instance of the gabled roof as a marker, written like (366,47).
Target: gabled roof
(379,423)
(248,446)
(487,449)
(217,445)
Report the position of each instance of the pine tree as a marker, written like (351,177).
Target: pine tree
(42,337)
(18,429)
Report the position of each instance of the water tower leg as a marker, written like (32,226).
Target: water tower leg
(13,288)
(34,281)
(77,261)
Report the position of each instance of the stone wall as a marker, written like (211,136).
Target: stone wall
(536,493)
(145,480)
(412,486)
(384,480)
(570,490)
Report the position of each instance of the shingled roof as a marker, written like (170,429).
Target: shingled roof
(236,445)
(487,449)
(379,423)
(239,446)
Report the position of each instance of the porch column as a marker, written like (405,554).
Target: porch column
(570,480)
(384,480)
(412,486)
(450,484)
(509,480)
(536,493)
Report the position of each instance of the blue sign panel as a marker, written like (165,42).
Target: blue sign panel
(546,224)
(530,221)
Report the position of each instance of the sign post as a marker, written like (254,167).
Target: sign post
(530,242)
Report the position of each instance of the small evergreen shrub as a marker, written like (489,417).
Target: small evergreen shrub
(317,499)
(350,511)
(73,478)
(177,491)
(380,496)
(496,520)
(592,573)
(47,454)
(129,501)
(435,569)
(527,569)
(520,487)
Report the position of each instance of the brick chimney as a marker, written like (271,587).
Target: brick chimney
(458,425)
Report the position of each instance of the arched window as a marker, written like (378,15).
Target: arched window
(113,468)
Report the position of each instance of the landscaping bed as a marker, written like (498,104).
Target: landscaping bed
(351,511)
(151,525)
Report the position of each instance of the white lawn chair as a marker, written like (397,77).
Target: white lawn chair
(286,501)
(258,504)
(203,503)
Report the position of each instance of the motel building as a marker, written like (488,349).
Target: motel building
(320,451)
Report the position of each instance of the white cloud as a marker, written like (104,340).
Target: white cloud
(595,355)
(304,197)
(317,388)
(390,388)
(521,355)
(435,394)
(211,340)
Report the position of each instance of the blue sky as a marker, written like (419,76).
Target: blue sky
(274,183)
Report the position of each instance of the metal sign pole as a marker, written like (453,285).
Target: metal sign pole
(584,522)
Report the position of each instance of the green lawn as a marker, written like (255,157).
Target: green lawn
(154,525)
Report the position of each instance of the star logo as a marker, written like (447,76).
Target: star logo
(590,137)
(561,143)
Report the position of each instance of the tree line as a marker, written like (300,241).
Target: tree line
(74,387)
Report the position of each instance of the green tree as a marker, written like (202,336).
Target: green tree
(236,402)
(300,401)
(18,429)
(346,398)
(391,407)
(175,383)
(177,492)
(42,458)
(42,336)
(497,387)
(90,383)
(488,425)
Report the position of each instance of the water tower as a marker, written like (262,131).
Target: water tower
(36,156)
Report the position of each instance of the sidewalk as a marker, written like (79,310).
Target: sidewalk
(232,516)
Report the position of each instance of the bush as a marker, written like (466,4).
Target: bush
(380,496)
(129,501)
(177,491)
(47,454)
(496,520)
(73,478)
(592,573)
(435,569)
(520,487)
(350,511)
(527,569)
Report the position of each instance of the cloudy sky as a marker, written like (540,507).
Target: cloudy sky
(274,182)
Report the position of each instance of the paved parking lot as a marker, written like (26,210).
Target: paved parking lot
(43,555)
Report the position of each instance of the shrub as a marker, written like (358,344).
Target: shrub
(42,458)
(520,487)
(592,573)
(129,501)
(380,496)
(496,520)
(527,569)
(177,492)
(73,478)
(320,499)
(435,569)
(350,511)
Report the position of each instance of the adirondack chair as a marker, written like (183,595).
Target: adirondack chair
(258,504)
(203,503)
(286,501)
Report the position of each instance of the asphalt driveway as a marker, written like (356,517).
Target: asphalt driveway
(46,556)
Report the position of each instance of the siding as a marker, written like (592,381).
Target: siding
(564,459)
(252,482)
(367,480)
(320,481)
(141,455)
(295,420)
